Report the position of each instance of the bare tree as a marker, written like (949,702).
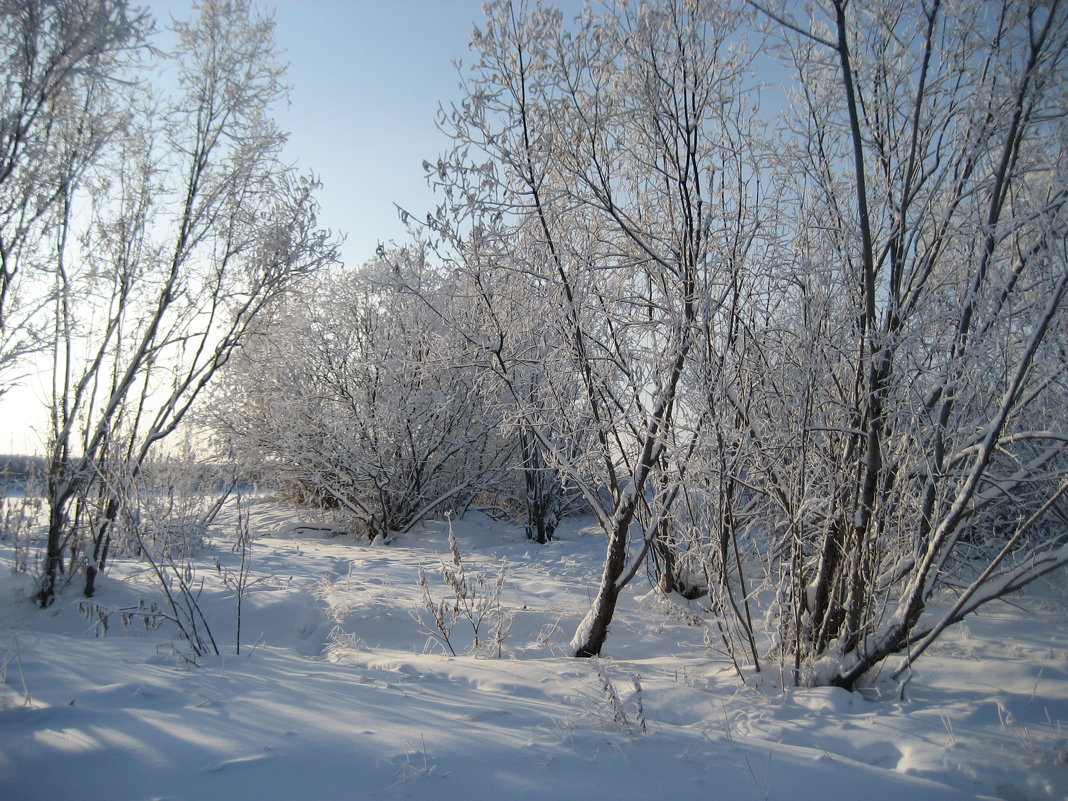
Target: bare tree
(919,382)
(197,227)
(606,150)
(60,59)
(813,371)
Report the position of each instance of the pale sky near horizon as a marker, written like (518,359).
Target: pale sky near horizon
(366,79)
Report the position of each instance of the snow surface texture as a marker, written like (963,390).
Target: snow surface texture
(336,693)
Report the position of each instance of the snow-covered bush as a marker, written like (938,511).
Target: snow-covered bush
(353,393)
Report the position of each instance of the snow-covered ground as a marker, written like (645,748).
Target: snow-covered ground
(335,694)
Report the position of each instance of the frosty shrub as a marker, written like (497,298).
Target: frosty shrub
(371,417)
(20,516)
(609,708)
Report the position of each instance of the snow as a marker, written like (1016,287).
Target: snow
(337,693)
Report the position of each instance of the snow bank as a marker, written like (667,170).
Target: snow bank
(122,717)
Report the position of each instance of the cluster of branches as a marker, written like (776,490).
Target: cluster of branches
(802,353)
(143,228)
(810,369)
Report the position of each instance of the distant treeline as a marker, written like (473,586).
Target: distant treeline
(20,468)
(17,471)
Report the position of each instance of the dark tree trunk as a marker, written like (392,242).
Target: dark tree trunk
(542,492)
(593,631)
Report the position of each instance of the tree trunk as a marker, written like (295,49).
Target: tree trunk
(53,563)
(593,631)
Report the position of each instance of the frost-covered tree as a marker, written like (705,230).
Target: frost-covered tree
(814,367)
(59,60)
(496,332)
(924,163)
(588,179)
(889,421)
(187,229)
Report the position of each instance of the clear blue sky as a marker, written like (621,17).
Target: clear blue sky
(367,77)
